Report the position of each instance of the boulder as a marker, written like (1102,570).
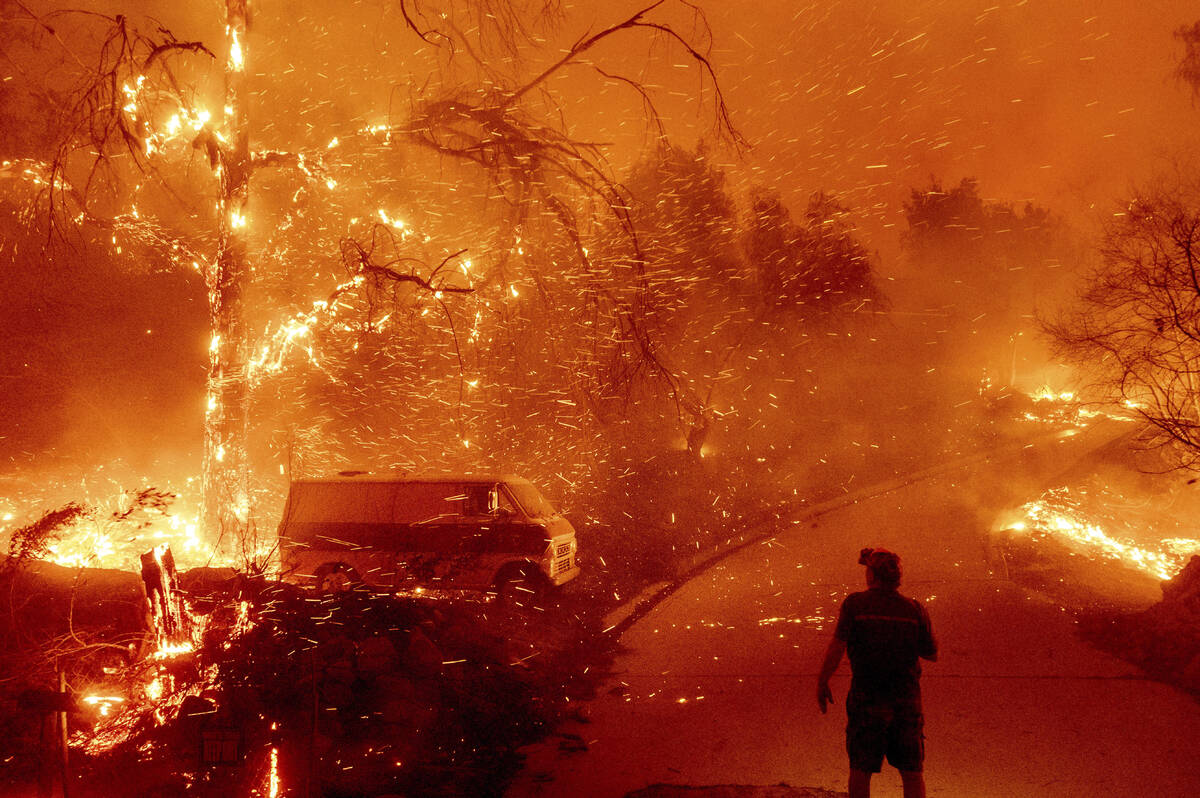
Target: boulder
(1184,587)
(376,656)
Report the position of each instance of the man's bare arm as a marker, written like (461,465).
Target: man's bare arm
(928,647)
(833,658)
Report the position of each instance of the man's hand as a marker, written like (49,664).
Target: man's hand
(824,695)
(833,656)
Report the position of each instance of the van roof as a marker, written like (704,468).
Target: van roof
(371,476)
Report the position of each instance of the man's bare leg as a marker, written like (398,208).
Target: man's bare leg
(860,784)
(914,783)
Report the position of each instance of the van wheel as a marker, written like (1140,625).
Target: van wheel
(336,577)
(518,587)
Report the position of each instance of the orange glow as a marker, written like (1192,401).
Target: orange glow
(103,703)
(1060,516)
(273,775)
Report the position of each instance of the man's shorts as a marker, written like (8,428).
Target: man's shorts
(895,729)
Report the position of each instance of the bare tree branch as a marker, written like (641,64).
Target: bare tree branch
(635,22)
(1136,328)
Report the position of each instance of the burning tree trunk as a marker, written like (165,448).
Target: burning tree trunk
(226,469)
(166,620)
(131,110)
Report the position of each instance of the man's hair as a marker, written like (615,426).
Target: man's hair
(884,566)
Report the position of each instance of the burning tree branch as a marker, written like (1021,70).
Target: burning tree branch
(131,108)
(112,111)
(524,156)
(33,541)
(361,258)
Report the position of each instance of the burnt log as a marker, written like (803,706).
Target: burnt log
(167,621)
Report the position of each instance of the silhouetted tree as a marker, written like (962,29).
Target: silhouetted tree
(137,118)
(957,237)
(697,286)
(814,268)
(1135,330)
(1188,68)
(985,266)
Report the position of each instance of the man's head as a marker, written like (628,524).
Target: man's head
(883,567)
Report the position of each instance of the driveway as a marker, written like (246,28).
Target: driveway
(716,684)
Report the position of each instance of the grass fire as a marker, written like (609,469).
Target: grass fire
(536,398)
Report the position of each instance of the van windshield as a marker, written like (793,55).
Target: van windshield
(530,500)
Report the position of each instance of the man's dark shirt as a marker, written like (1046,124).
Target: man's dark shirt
(885,635)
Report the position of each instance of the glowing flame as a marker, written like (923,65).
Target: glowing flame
(103,703)
(99,538)
(273,775)
(172,650)
(1045,394)
(236,58)
(1057,515)
(292,332)
(394,222)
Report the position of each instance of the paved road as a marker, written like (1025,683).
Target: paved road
(717,683)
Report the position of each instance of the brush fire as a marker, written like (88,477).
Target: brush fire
(225,682)
(1062,515)
(373,377)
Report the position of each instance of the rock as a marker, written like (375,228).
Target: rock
(1184,587)
(1190,676)
(422,658)
(376,656)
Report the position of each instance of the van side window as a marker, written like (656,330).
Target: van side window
(503,502)
(478,500)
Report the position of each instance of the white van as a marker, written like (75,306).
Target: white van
(401,533)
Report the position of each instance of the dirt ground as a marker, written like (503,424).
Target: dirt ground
(732,791)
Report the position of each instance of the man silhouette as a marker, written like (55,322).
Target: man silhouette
(886,635)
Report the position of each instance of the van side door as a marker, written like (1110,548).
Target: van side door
(482,524)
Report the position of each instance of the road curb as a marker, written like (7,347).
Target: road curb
(618,620)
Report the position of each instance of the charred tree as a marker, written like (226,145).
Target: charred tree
(226,474)
(134,120)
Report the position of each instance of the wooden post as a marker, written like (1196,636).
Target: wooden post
(61,715)
(46,755)
(312,735)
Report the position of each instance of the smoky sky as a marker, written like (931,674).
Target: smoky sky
(1064,103)
(1067,103)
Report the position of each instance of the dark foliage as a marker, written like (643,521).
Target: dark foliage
(811,268)
(33,541)
(1134,331)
